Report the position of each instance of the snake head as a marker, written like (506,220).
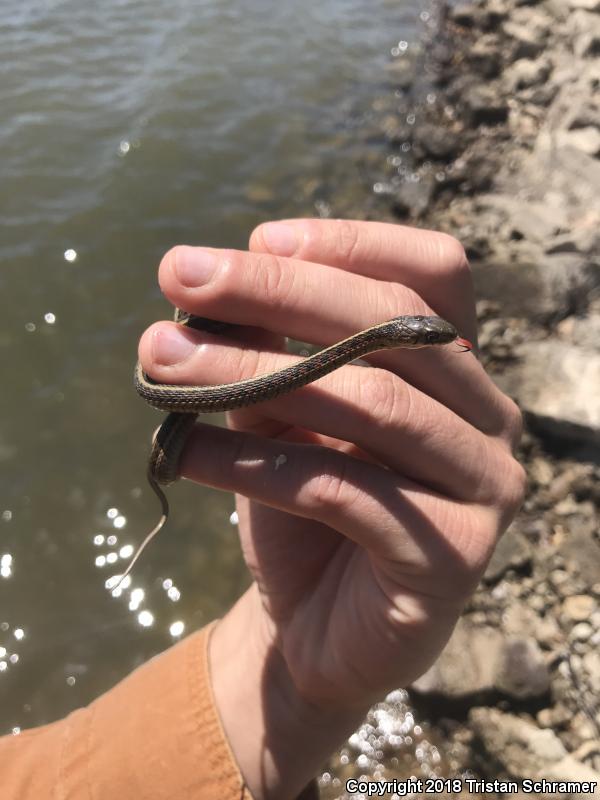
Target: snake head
(419,331)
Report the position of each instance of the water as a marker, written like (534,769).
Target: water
(128,126)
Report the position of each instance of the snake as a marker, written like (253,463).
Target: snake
(184,403)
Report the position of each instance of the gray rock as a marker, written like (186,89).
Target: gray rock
(567,172)
(469,15)
(581,331)
(566,405)
(585,31)
(585,139)
(525,73)
(522,748)
(513,218)
(525,751)
(412,198)
(529,30)
(522,670)
(583,552)
(545,290)
(465,14)
(480,659)
(436,141)
(586,5)
(485,105)
(584,115)
(512,552)
(468,664)
(587,45)
(591,665)
(583,239)
(485,57)
(529,42)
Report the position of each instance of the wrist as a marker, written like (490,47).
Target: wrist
(278,738)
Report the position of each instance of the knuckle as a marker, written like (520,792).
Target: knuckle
(329,489)
(231,265)
(273,280)
(347,236)
(381,396)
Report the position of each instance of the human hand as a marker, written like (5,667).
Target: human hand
(369,502)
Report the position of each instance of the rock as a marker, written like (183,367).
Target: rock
(412,198)
(465,14)
(568,404)
(584,115)
(542,95)
(485,57)
(544,291)
(522,219)
(567,171)
(586,5)
(512,552)
(522,750)
(582,552)
(477,660)
(585,31)
(484,105)
(525,73)
(547,632)
(584,332)
(577,240)
(528,42)
(556,717)
(581,632)
(587,45)
(591,665)
(437,142)
(522,671)
(472,175)
(585,139)
(469,15)
(579,607)
(467,666)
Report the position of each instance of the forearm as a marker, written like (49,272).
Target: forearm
(278,738)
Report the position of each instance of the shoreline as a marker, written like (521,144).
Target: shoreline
(502,150)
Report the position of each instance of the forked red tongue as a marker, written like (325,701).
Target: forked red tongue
(464,343)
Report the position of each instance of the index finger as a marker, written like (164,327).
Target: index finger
(431,263)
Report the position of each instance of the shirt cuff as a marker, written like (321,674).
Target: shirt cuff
(155,735)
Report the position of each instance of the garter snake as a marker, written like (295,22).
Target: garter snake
(184,403)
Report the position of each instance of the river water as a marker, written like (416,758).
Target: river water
(128,126)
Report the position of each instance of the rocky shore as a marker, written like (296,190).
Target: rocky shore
(493,134)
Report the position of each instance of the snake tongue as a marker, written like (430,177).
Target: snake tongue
(464,343)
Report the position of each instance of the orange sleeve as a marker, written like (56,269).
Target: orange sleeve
(155,735)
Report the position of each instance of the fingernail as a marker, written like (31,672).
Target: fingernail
(281,239)
(194,266)
(170,346)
